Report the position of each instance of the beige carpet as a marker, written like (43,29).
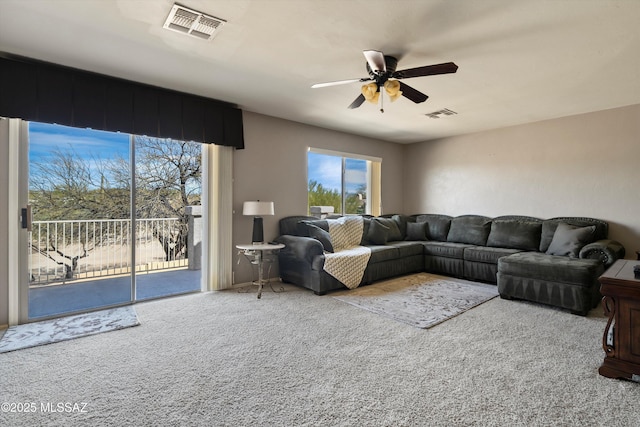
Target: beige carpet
(297,359)
(422,300)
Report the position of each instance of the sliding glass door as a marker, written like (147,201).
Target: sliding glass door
(115,219)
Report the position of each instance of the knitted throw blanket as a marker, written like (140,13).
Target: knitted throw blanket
(349,260)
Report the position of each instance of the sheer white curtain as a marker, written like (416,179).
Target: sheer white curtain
(375,188)
(218,255)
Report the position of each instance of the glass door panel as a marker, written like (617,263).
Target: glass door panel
(168,177)
(80,243)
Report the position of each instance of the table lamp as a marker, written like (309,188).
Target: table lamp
(257,209)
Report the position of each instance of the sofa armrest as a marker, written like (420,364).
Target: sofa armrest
(607,251)
(304,248)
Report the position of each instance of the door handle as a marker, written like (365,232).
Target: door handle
(26,217)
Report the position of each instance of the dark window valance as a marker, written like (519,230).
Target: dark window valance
(43,92)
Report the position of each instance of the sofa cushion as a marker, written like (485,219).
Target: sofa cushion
(407,248)
(378,233)
(381,253)
(445,249)
(416,231)
(549,228)
(552,268)
(569,239)
(487,254)
(471,229)
(394,231)
(321,235)
(438,226)
(516,234)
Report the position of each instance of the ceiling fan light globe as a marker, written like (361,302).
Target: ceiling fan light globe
(370,92)
(392,87)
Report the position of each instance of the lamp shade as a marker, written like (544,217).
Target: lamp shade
(257,208)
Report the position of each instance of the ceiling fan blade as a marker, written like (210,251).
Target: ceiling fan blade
(375,58)
(339,82)
(412,94)
(358,102)
(428,70)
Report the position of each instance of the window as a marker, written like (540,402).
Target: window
(342,183)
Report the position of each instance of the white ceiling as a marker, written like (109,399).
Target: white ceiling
(519,61)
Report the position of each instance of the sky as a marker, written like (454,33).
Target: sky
(43,138)
(327,170)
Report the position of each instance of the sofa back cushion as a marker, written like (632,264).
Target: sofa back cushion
(515,232)
(438,226)
(470,229)
(549,228)
(394,233)
(290,225)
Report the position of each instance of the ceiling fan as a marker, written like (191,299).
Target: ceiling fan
(383,74)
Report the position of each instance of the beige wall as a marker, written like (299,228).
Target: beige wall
(273,167)
(585,165)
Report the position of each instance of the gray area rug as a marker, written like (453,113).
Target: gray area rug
(67,328)
(422,300)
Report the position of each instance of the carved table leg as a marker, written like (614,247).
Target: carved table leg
(608,340)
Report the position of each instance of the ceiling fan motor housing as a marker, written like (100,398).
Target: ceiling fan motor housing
(391,63)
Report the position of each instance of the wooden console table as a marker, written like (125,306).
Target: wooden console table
(621,340)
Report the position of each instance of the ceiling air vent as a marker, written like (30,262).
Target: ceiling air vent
(193,23)
(437,114)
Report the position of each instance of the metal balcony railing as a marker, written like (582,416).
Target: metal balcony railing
(61,251)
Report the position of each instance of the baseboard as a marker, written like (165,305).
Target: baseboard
(3,327)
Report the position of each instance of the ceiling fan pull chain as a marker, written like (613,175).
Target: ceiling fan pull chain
(381,98)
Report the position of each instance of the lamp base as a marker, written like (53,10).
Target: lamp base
(258,234)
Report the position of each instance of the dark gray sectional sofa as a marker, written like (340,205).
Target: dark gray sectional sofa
(555,261)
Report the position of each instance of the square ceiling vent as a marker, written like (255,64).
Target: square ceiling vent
(443,112)
(193,23)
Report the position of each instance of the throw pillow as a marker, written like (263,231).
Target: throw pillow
(401,222)
(321,235)
(394,231)
(416,231)
(378,233)
(304,226)
(569,239)
(366,223)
